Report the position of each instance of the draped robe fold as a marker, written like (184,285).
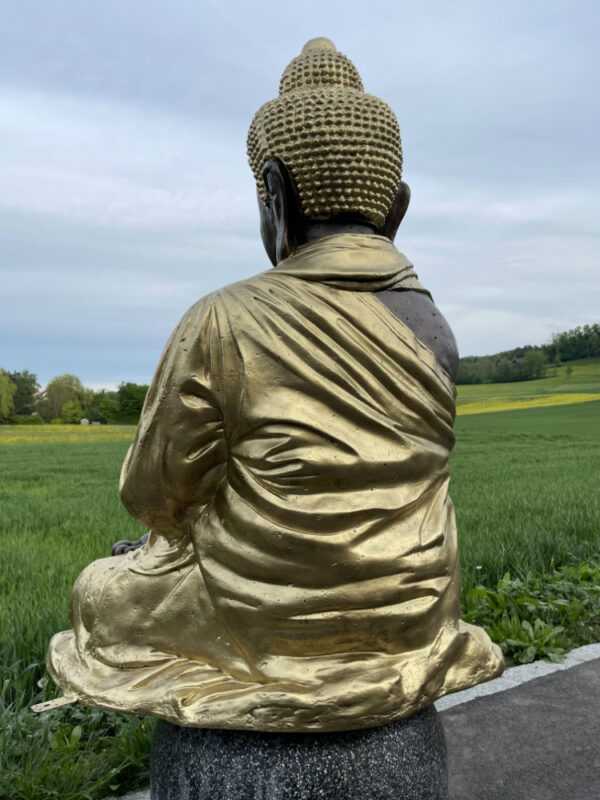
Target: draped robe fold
(291,463)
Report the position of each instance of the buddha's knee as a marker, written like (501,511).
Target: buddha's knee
(89,590)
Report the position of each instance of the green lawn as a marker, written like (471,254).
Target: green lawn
(525,486)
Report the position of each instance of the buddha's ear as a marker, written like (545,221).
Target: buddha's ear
(396,212)
(280,205)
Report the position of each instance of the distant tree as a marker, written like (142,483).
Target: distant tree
(534,365)
(469,372)
(504,371)
(131,398)
(7,393)
(104,407)
(62,389)
(595,343)
(580,342)
(71,412)
(527,362)
(27,388)
(42,407)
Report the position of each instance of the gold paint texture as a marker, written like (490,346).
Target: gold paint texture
(340,145)
(291,463)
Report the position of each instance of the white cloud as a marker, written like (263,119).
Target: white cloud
(120,166)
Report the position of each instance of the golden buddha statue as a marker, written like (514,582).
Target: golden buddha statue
(291,463)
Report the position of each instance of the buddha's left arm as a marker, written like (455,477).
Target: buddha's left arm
(179,454)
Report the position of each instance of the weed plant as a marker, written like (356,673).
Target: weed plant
(539,615)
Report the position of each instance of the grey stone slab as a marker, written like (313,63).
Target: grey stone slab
(404,761)
(539,741)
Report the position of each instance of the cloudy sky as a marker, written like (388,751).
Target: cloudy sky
(125,193)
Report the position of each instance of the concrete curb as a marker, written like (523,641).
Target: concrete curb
(513,677)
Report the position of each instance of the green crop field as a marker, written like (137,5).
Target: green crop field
(525,476)
(525,487)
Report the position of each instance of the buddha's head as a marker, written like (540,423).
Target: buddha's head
(326,156)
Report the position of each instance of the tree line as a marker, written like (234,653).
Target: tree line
(66,400)
(531,362)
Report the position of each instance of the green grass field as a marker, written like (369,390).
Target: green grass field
(525,487)
(524,483)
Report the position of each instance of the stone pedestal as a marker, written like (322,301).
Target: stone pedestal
(404,761)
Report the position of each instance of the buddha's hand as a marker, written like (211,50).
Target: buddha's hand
(125,546)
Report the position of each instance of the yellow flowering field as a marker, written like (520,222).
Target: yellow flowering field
(492,404)
(57,434)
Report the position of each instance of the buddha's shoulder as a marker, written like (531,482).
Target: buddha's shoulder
(257,285)
(419,313)
(233,295)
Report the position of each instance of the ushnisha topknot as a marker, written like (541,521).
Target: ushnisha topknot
(340,145)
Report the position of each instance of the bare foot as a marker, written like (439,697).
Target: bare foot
(125,546)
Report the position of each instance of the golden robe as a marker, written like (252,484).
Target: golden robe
(291,463)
